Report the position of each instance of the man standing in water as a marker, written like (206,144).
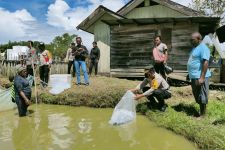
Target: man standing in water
(198,71)
(80,52)
(22,91)
(160,56)
(158,89)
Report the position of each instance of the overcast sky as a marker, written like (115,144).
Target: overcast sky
(42,20)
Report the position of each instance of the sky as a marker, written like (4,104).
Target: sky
(42,20)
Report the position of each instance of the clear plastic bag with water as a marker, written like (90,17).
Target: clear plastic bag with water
(125,110)
(59,83)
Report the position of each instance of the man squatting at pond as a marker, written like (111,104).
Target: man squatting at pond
(22,91)
(198,71)
(158,89)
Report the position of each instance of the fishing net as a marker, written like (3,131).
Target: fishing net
(5,100)
(125,110)
(59,83)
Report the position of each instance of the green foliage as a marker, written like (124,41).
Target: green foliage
(216,6)
(60,44)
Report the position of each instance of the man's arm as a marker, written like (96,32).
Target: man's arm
(165,49)
(26,100)
(205,64)
(145,94)
(98,53)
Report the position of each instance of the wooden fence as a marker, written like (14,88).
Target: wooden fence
(9,68)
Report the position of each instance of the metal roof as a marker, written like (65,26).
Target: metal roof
(144,21)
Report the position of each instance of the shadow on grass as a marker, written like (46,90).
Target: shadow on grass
(219,122)
(188,109)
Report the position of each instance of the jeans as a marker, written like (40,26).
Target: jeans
(81,64)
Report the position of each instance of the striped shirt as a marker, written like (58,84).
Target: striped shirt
(12,91)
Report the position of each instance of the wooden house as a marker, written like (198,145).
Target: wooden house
(125,37)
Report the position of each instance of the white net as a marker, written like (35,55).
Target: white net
(125,110)
(5,100)
(59,83)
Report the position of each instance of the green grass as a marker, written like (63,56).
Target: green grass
(207,133)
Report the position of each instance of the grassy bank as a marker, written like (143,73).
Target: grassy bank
(208,133)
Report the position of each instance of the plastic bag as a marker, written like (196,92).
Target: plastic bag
(125,110)
(6,100)
(59,83)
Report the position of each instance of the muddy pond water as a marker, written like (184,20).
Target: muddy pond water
(53,127)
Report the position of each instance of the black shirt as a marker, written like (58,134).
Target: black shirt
(80,55)
(95,53)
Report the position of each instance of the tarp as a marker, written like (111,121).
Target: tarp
(59,83)
(125,110)
(5,100)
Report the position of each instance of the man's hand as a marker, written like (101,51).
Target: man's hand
(200,81)
(138,96)
(28,102)
(133,90)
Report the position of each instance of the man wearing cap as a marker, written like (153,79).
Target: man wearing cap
(22,91)
(158,88)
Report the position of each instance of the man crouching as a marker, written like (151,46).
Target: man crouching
(22,91)
(158,89)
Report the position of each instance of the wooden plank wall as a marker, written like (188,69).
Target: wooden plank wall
(131,47)
(131,51)
(180,45)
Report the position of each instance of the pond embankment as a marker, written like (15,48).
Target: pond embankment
(103,92)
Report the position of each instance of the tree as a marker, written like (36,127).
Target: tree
(60,44)
(210,7)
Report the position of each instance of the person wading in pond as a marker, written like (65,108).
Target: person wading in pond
(158,88)
(160,56)
(70,59)
(198,71)
(94,56)
(80,52)
(22,91)
(45,64)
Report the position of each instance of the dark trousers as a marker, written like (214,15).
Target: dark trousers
(159,94)
(22,106)
(94,62)
(44,73)
(30,70)
(70,64)
(160,68)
